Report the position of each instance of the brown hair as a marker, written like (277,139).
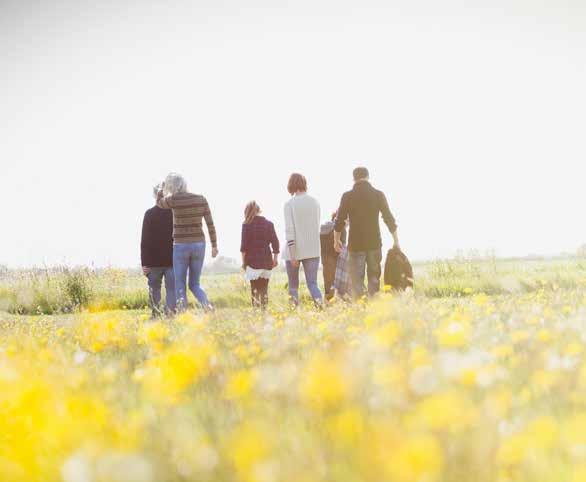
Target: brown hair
(250,211)
(297,183)
(360,173)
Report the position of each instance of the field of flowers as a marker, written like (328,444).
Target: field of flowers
(408,387)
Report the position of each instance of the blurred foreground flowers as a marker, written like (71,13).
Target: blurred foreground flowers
(406,388)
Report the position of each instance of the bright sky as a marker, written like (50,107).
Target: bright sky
(470,115)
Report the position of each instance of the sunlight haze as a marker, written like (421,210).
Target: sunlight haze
(471,118)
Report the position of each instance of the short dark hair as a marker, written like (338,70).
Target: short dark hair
(360,173)
(297,183)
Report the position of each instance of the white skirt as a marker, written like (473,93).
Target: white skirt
(252,274)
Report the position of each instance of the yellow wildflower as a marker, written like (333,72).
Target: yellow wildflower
(239,385)
(418,458)
(248,446)
(450,411)
(347,426)
(387,334)
(453,334)
(322,384)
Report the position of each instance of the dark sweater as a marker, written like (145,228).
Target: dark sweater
(258,238)
(364,205)
(156,244)
(327,240)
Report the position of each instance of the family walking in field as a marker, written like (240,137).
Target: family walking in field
(173,244)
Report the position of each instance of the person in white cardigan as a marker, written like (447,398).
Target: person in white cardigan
(302,228)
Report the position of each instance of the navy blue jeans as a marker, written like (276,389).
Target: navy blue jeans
(155,280)
(188,263)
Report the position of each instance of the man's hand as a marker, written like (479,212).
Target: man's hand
(294,263)
(146,270)
(214,252)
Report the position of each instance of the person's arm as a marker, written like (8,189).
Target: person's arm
(275,246)
(340,223)
(243,245)
(338,245)
(389,219)
(144,244)
(164,202)
(290,233)
(211,228)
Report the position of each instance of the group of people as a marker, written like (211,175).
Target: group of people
(173,243)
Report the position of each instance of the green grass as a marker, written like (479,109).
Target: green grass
(60,290)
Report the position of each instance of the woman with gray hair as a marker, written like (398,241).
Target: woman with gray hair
(189,241)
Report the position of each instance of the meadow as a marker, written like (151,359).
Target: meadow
(478,374)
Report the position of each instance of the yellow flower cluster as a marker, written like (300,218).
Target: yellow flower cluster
(404,388)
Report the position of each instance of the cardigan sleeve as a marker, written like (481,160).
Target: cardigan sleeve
(289,225)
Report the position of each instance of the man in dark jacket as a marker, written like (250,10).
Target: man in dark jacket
(364,205)
(156,253)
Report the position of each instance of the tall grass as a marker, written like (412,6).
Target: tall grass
(65,290)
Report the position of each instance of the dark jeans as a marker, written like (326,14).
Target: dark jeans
(155,279)
(371,262)
(259,289)
(329,266)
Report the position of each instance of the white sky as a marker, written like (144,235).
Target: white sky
(470,115)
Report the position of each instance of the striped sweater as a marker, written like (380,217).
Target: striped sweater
(188,211)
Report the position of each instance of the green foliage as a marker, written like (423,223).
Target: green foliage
(65,290)
(76,288)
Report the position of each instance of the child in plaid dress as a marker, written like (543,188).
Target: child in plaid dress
(260,253)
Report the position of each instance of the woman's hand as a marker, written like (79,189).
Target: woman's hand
(146,270)
(215,252)
(275,261)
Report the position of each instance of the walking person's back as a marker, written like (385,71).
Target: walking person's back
(302,213)
(302,229)
(364,205)
(156,254)
(260,253)
(189,242)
